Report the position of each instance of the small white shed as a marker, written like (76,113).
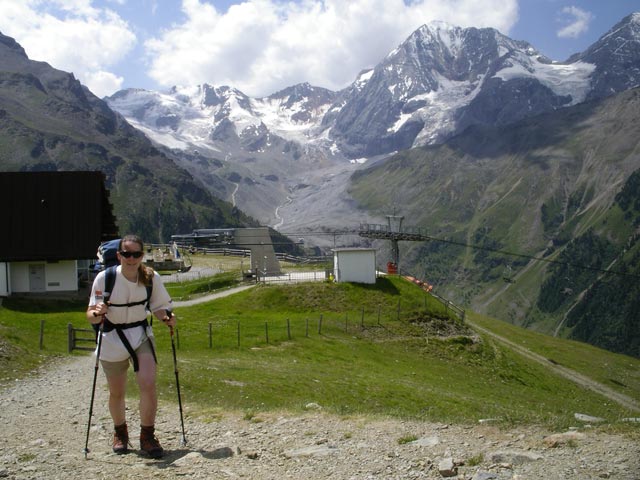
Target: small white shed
(356,265)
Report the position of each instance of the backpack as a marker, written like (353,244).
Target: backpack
(107,254)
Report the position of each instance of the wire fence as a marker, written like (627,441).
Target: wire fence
(233,333)
(225,333)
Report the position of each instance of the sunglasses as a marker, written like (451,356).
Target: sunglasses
(131,254)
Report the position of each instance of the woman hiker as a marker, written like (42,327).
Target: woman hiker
(128,338)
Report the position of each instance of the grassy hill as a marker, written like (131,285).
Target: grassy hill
(389,349)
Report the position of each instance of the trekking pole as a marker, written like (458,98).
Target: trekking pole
(175,369)
(93,390)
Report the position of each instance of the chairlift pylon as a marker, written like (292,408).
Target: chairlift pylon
(507,275)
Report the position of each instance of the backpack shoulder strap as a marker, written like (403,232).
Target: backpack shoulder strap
(109,280)
(149,292)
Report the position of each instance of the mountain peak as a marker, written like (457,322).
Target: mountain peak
(617,57)
(13,45)
(440,25)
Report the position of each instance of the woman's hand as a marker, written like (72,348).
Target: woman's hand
(96,313)
(167,317)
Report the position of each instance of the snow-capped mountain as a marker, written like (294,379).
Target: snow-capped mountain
(260,147)
(438,82)
(442,79)
(223,118)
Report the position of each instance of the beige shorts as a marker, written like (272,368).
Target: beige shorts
(118,368)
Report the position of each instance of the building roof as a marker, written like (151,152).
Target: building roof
(54,215)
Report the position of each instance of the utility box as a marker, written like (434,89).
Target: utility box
(357,265)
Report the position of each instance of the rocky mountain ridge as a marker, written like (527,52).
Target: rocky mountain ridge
(49,121)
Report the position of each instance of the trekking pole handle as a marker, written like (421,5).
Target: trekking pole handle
(99,300)
(168,316)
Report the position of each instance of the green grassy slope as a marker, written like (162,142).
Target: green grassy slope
(384,350)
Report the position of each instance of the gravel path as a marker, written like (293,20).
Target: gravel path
(44,419)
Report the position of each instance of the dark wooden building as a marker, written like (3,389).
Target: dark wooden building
(51,220)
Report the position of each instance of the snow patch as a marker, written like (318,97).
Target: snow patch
(358,161)
(563,79)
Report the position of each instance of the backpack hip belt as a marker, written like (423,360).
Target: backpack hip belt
(119,327)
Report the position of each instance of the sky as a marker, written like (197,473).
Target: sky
(263,46)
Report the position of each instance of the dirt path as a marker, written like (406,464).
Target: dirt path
(44,421)
(212,296)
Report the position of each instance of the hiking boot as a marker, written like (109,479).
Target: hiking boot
(121,439)
(149,444)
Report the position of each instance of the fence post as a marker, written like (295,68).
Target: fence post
(266,331)
(288,329)
(41,334)
(210,336)
(70,337)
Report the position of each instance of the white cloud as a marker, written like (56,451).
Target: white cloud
(71,35)
(102,83)
(260,46)
(578,22)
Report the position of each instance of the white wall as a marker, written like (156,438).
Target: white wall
(59,277)
(356,265)
(4,279)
